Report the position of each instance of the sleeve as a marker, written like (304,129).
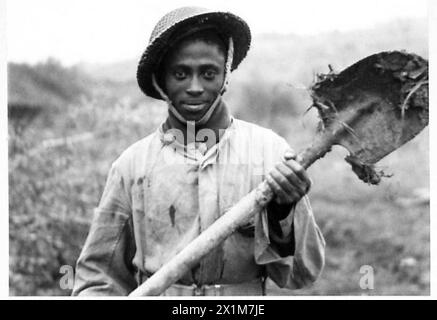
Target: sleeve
(306,258)
(293,249)
(105,265)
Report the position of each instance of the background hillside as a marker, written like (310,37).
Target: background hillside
(67,125)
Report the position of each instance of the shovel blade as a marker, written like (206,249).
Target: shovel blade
(381,101)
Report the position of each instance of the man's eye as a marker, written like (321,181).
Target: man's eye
(180,75)
(209,74)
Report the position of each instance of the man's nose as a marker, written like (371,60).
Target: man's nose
(195,87)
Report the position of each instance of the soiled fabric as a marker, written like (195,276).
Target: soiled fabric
(160,195)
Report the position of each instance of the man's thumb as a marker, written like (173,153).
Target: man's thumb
(289,155)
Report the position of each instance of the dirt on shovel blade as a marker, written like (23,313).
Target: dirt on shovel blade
(387,96)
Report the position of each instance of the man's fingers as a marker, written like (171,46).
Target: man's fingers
(287,191)
(277,190)
(294,181)
(299,171)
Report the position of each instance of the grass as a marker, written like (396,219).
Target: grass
(54,191)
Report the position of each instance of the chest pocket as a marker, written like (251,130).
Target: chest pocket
(173,189)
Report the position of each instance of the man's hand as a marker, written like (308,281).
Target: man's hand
(289,180)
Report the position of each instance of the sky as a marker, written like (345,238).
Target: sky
(107,31)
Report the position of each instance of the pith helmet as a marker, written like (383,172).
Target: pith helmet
(180,20)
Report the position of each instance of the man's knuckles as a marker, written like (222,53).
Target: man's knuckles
(292,176)
(280,178)
(296,167)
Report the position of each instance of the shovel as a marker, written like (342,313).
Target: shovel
(371,108)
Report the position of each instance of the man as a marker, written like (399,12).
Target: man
(164,190)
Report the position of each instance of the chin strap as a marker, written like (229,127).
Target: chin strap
(171,108)
(228,66)
(217,100)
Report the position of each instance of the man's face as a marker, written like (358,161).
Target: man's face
(193,75)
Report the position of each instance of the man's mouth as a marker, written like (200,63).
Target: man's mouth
(194,106)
